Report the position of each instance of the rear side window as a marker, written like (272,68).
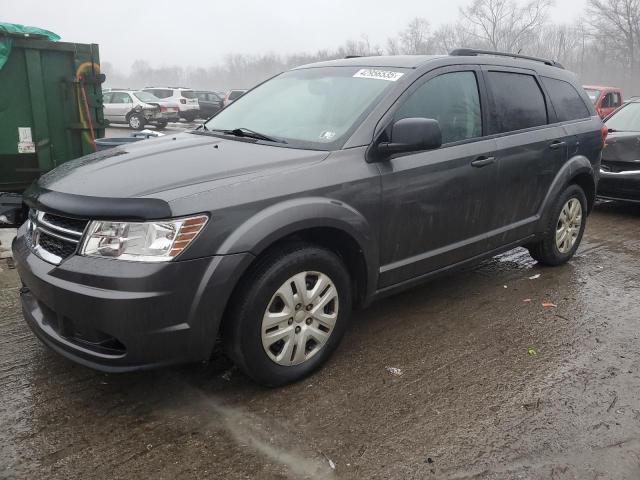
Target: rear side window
(188,94)
(160,92)
(566,100)
(519,102)
(453,100)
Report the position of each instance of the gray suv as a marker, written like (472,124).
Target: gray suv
(319,191)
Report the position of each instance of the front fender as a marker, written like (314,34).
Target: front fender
(289,217)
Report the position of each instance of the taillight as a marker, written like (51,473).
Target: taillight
(183,101)
(605,133)
(163,109)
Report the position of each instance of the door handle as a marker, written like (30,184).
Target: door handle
(557,145)
(483,161)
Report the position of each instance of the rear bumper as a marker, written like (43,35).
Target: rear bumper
(620,185)
(121,316)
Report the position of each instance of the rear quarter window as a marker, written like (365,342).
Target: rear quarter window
(518,102)
(188,94)
(566,100)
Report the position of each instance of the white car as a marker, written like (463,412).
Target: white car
(185,97)
(138,109)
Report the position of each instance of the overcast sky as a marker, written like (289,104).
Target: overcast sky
(201,32)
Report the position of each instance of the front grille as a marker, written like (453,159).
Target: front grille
(66,223)
(53,237)
(56,246)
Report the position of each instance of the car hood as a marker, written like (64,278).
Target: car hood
(149,167)
(622,147)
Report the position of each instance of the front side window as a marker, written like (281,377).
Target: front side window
(453,100)
(627,119)
(315,108)
(566,100)
(518,102)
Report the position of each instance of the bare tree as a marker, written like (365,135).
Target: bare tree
(451,36)
(415,38)
(505,24)
(617,23)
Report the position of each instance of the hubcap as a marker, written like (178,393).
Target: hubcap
(569,225)
(134,122)
(300,318)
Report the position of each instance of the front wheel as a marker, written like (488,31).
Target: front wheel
(564,232)
(289,314)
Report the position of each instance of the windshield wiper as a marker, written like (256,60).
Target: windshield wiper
(245,132)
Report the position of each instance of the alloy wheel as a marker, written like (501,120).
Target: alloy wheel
(569,224)
(299,318)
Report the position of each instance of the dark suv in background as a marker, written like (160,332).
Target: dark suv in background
(324,188)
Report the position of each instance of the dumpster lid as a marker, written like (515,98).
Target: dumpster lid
(11,30)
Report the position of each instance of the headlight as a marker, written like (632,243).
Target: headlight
(158,241)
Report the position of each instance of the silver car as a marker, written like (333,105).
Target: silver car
(138,109)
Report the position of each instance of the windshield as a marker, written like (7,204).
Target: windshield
(627,119)
(145,97)
(315,108)
(593,94)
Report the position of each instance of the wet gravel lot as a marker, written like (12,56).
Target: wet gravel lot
(490,384)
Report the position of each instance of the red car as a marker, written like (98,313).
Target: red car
(605,99)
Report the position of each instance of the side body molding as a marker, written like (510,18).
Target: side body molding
(286,218)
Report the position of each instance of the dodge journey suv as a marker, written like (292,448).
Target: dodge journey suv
(319,191)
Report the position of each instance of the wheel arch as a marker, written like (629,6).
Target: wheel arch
(327,223)
(578,170)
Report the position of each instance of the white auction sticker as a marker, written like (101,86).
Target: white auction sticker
(387,75)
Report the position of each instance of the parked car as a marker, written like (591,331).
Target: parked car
(184,97)
(232,96)
(325,188)
(138,109)
(620,170)
(210,103)
(605,99)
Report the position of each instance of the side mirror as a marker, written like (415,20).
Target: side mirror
(413,135)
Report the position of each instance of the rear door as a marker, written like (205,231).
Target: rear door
(438,204)
(121,105)
(531,148)
(108,106)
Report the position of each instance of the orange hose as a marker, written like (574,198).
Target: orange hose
(86,109)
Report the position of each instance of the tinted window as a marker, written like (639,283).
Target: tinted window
(188,94)
(453,100)
(566,100)
(519,102)
(160,92)
(236,94)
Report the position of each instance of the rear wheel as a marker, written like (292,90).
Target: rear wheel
(161,125)
(564,232)
(289,314)
(136,121)
(190,117)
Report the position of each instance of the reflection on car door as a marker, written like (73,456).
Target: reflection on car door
(529,151)
(437,205)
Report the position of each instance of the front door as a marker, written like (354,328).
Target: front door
(437,205)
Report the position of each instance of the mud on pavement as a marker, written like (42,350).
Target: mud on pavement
(466,377)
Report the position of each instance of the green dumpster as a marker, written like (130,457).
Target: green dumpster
(50,104)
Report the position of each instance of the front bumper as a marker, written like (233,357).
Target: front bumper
(118,316)
(620,185)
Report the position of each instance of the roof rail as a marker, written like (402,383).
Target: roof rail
(470,52)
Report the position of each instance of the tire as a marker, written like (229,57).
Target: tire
(161,125)
(552,250)
(266,353)
(136,121)
(190,117)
